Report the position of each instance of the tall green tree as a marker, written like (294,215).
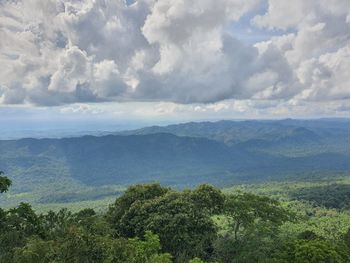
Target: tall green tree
(185,229)
(134,194)
(243,210)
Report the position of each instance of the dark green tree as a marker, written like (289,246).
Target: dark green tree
(134,194)
(185,229)
(17,225)
(308,235)
(208,197)
(5,183)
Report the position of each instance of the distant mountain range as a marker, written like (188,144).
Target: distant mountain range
(232,132)
(289,137)
(183,155)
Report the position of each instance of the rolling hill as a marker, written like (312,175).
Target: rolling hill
(222,153)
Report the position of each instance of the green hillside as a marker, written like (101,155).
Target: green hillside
(91,168)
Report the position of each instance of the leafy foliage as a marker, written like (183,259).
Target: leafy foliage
(185,229)
(5,183)
(155,224)
(245,209)
(313,251)
(330,196)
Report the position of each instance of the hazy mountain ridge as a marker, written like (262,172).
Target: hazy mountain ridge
(331,134)
(183,155)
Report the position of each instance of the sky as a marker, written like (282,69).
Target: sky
(114,63)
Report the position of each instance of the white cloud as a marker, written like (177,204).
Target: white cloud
(73,70)
(82,109)
(57,52)
(318,50)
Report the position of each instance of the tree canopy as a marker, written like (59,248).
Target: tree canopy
(154,224)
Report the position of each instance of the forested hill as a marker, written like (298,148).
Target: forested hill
(290,131)
(138,158)
(180,156)
(117,159)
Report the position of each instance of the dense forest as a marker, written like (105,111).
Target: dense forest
(52,172)
(155,224)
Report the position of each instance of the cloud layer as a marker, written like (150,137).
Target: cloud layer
(55,52)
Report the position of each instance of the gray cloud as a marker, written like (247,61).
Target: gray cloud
(57,52)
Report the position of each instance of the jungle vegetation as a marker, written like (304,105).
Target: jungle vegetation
(150,223)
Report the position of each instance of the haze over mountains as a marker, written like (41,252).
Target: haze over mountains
(232,132)
(182,155)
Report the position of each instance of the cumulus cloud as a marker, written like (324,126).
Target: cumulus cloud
(318,49)
(57,52)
